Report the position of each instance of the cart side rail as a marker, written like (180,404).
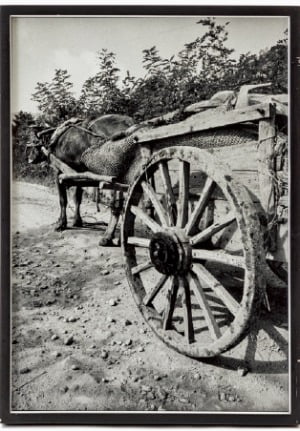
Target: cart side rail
(208,120)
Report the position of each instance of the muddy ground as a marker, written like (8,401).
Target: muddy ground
(79,343)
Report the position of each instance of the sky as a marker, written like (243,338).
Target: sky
(39,45)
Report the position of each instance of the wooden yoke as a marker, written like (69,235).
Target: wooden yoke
(266,171)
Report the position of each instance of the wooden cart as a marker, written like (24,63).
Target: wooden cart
(204,224)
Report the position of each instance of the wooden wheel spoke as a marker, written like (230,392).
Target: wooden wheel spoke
(148,221)
(208,315)
(204,275)
(138,242)
(219,256)
(170,304)
(211,230)
(170,198)
(187,311)
(161,212)
(201,204)
(142,267)
(154,291)
(183,196)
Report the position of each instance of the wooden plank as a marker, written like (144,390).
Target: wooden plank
(138,242)
(154,291)
(266,173)
(250,180)
(148,221)
(170,304)
(61,166)
(281,109)
(211,230)
(85,176)
(183,196)
(200,205)
(141,267)
(243,95)
(81,183)
(168,191)
(187,312)
(153,197)
(266,145)
(205,121)
(204,275)
(203,302)
(156,121)
(238,157)
(90,183)
(197,180)
(219,256)
(115,186)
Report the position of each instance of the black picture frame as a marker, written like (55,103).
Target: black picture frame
(146,418)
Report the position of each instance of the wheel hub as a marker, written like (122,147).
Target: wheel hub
(168,253)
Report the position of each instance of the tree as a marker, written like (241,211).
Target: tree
(248,70)
(55,99)
(20,123)
(100,93)
(273,64)
(20,136)
(203,67)
(127,103)
(194,74)
(270,65)
(211,57)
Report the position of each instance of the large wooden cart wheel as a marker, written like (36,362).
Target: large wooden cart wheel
(192,260)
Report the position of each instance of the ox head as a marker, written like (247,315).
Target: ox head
(37,139)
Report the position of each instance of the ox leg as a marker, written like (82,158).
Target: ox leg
(96,197)
(63,200)
(77,201)
(115,209)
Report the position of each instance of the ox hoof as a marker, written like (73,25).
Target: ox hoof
(60,227)
(77,223)
(116,242)
(105,242)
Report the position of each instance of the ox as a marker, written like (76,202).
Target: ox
(68,144)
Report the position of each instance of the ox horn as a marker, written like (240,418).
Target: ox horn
(45,132)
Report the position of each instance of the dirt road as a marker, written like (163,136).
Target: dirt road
(79,343)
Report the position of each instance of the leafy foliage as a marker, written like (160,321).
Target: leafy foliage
(100,93)
(21,133)
(203,67)
(55,99)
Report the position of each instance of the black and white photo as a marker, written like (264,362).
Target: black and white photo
(150,214)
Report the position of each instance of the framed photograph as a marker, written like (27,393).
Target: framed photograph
(150,205)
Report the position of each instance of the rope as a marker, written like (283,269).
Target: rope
(273,222)
(103,136)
